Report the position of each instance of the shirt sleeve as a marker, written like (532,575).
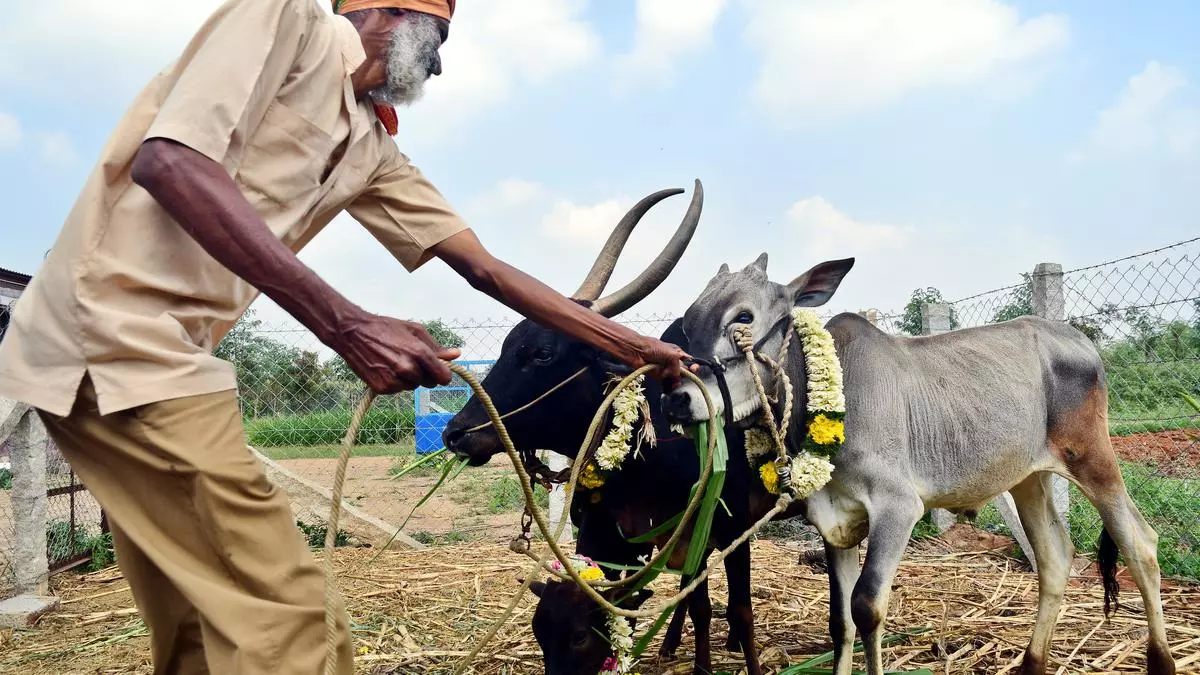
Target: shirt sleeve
(229,74)
(406,213)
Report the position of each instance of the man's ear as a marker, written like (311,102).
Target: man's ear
(816,286)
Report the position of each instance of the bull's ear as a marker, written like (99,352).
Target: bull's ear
(639,598)
(537,588)
(816,286)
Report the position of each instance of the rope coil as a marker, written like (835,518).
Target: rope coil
(743,338)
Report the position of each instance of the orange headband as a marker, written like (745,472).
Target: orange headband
(440,8)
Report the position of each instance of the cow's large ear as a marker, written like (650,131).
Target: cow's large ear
(816,286)
(537,588)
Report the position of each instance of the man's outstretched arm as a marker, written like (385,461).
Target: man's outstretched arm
(467,256)
(388,354)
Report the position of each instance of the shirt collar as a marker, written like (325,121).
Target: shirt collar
(349,44)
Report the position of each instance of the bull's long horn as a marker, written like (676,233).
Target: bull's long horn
(602,269)
(650,278)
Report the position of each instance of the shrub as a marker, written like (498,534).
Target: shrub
(381,425)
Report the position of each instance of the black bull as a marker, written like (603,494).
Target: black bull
(647,490)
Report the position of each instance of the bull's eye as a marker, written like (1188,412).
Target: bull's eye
(744,317)
(579,638)
(543,355)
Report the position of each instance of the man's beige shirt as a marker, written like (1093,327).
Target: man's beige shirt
(126,295)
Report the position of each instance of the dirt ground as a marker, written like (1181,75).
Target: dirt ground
(1175,453)
(458,507)
(417,613)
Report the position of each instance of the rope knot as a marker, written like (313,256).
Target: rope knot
(743,337)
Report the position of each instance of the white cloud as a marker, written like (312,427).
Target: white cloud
(1157,111)
(496,48)
(824,230)
(56,148)
(94,48)
(10,131)
(827,58)
(667,31)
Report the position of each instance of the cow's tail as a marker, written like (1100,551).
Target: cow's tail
(1107,561)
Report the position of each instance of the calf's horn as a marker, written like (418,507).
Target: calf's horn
(658,270)
(606,262)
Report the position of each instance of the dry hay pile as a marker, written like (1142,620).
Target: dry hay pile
(419,612)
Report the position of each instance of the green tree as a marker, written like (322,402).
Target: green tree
(1020,301)
(910,322)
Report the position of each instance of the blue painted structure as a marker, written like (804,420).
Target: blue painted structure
(430,423)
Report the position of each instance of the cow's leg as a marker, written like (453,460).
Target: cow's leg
(1138,543)
(891,520)
(674,634)
(1053,550)
(700,609)
(842,565)
(741,611)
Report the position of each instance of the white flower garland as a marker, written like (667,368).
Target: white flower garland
(620,636)
(616,446)
(824,369)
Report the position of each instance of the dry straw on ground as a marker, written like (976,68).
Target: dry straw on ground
(419,612)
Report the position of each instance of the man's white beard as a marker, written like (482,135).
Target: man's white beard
(409,60)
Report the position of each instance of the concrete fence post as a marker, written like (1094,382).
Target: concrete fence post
(558,496)
(935,319)
(20,425)
(1048,302)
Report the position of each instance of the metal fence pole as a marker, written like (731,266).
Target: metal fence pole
(935,319)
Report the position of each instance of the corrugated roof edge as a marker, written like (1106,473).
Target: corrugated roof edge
(15,277)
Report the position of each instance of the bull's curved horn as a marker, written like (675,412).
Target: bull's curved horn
(650,278)
(602,269)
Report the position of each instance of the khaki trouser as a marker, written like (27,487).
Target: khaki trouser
(219,571)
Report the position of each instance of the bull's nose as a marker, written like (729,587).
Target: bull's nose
(452,437)
(677,406)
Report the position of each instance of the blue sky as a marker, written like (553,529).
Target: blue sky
(952,143)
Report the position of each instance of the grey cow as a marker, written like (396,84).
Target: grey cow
(947,421)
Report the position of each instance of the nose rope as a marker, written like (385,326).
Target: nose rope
(589,588)
(529,405)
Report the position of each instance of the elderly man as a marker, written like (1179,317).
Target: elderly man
(276,117)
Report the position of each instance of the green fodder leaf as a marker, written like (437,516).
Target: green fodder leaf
(449,466)
(661,528)
(427,459)
(698,545)
(644,641)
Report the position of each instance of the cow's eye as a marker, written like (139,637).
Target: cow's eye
(579,638)
(744,317)
(543,355)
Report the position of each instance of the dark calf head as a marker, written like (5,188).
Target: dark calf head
(572,630)
(746,297)
(534,359)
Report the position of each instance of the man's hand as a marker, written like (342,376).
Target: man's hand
(392,355)
(669,359)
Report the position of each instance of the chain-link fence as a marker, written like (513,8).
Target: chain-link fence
(297,399)
(1143,314)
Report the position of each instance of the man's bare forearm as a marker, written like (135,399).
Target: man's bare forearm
(537,301)
(204,200)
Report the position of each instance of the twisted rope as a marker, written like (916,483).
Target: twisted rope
(786,496)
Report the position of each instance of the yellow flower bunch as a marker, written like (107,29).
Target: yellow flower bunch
(590,477)
(826,431)
(591,574)
(769,476)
